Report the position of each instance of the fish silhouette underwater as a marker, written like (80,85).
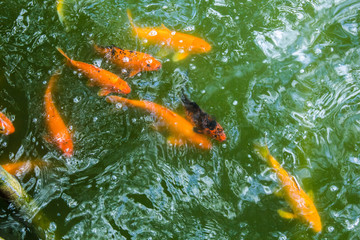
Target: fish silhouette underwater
(203,122)
(301,203)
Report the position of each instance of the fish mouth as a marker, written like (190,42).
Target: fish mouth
(6,131)
(125,91)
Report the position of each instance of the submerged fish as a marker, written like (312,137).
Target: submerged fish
(301,204)
(180,129)
(22,166)
(6,126)
(11,190)
(183,44)
(58,132)
(132,60)
(107,81)
(203,122)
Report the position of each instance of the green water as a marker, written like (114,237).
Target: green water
(287,70)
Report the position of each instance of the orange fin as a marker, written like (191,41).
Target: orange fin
(262,151)
(163,26)
(311,195)
(175,141)
(163,53)
(180,56)
(279,193)
(104,92)
(48,139)
(130,17)
(134,72)
(286,215)
(62,52)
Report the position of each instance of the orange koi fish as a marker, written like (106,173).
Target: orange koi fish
(181,130)
(136,61)
(203,122)
(107,81)
(6,126)
(301,204)
(59,134)
(183,44)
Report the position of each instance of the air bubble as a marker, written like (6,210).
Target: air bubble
(152,33)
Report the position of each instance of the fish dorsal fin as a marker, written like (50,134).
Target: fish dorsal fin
(296,182)
(163,26)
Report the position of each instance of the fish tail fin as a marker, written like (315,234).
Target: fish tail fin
(130,17)
(189,105)
(262,151)
(53,80)
(62,52)
(60,10)
(97,47)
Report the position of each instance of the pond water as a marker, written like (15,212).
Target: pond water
(284,72)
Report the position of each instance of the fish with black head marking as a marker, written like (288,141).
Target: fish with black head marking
(203,122)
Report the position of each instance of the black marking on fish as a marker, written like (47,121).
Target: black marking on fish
(201,120)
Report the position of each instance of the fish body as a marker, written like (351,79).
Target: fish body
(107,81)
(301,204)
(58,132)
(11,190)
(132,60)
(183,44)
(180,129)
(203,122)
(6,126)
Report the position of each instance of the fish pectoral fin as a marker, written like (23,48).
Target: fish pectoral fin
(175,141)
(279,193)
(180,56)
(163,53)
(163,26)
(48,139)
(311,195)
(158,126)
(286,215)
(104,92)
(134,72)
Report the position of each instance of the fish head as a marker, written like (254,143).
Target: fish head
(216,132)
(200,46)
(67,147)
(314,221)
(151,64)
(6,126)
(122,87)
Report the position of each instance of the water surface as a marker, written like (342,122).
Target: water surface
(287,70)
